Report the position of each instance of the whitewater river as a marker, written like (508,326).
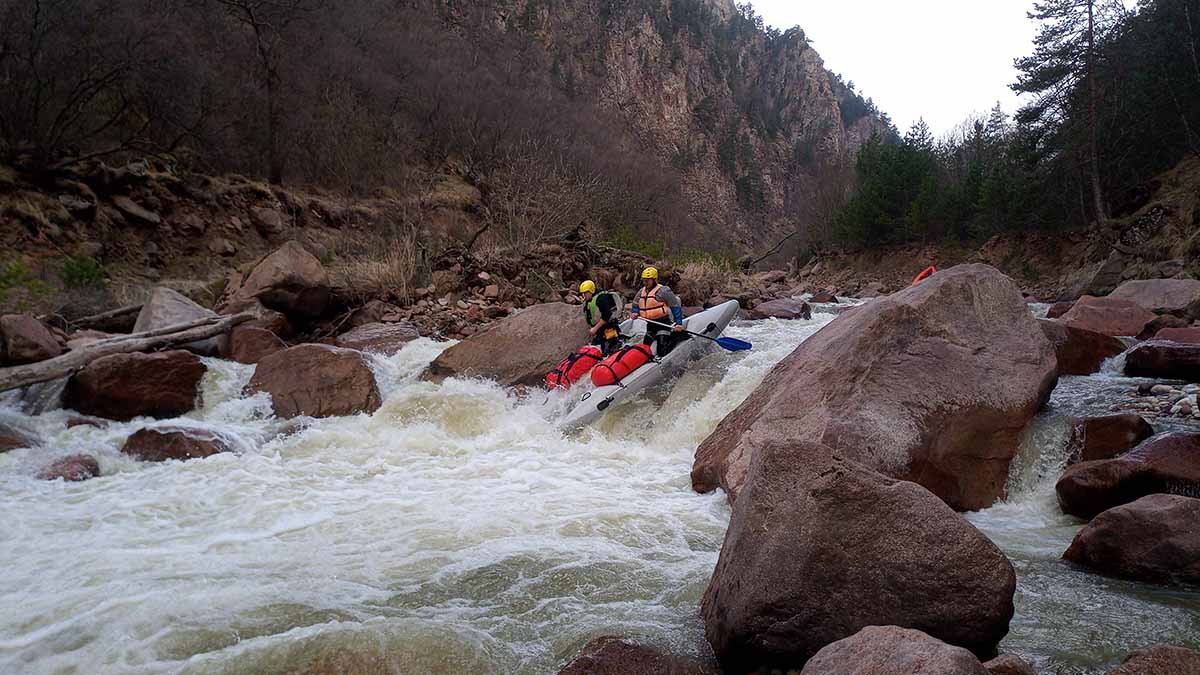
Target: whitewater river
(455,530)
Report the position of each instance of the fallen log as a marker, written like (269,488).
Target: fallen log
(115,320)
(73,361)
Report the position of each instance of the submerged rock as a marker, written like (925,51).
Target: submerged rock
(820,547)
(1160,660)
(933,384)
(1165,464)
(318,381)
(125,386)
(72,469)
(164,443)
(12,438)
(1108,316)
(1080,351)
(24,339)
(1165,360)
(889,650)
(782,308)
(1154,539)
(616,656)
(379,338)
(1107,437)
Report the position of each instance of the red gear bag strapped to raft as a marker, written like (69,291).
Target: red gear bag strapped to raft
(573,368)
(924,274)
(620,364)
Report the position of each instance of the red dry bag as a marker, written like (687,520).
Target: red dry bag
(620,364)
(573,368)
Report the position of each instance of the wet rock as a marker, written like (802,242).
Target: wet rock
(12,438)
(84,421)
(783,308)
(249,345)
(1080,351)
(167,307)
(933,384)
(162,444)
(1106,437)
(616,656)
(1166,464)
(291,280)
(1160,660)
(1007,664)
(1161,296)
(318,381)
(824,298)
(72,469)
(379,338)
(1058,309)
(1164,360)
(1160,323)
(130,209)
(125,386)
(1189,335)
(819,547)
(889,650)
(1108,316)
(1154,539)
(519,349)
(26,340)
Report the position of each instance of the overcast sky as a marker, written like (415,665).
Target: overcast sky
(937,59)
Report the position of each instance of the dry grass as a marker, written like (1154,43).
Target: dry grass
(386,271)
(701,280)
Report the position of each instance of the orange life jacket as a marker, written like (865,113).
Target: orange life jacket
(650,306)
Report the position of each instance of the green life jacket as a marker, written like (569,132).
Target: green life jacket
(591,312)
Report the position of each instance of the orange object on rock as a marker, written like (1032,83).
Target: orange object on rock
(924,274)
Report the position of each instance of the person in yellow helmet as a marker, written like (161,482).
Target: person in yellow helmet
(658,303)
(602,312)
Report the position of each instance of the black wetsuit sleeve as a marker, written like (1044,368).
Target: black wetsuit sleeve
(606,305)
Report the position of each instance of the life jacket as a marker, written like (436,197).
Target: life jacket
(924,274)
(650,306)
(573,368)
(620,364)
(591,308)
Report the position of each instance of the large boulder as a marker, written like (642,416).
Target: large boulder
(125,386)
(782,308)
(820,547)
(24,339)
(1160,660)
(1106,437)
(1077,350)
(1161,296)
(317,381)
(1189,335)
(1154,539)
(1007,664)
(615,656)
(1059,308)
(519,349)
(71,469)
(1165,360)
(181,443)
(1109,316)
(889,650)
(291,280)
(1166,464)
(1160,323)
(249,345)
(12,438)
(933,384)
(379,338)
(167,307)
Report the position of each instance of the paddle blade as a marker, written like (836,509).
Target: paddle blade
(733,344)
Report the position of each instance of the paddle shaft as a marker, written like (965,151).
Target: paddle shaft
(701,335)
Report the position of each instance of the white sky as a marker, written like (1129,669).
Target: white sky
(937,59)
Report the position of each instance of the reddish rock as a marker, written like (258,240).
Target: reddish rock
(317,381)
(1154,539)
(1107,437)
(166,308)
(820,547)
(1164,360)
(81,421)
(291,280)
(1161,296)
(824,298)
(125,386)
(1161,323)
(783,308)
(615,656)
(162,444)
(1165,464)
(1160,660)
(72,469)
(26,340)
(247,344)
(1189,335)
(379,338)
(1007,664)
(1079,351)
(889,650)
(12,438)
(1058,309)
(1108,316)
(933,384)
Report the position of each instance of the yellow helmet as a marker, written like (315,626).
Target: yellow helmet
(650,273)
(588,286)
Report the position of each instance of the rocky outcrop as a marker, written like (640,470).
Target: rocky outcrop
(379,338)
(125,386)
(933,384)
(1160,660)
(1164,360)
(1108,316)
(1160,323)
(1080,351)
(317,381)
(12,438)
(1106,437)
(820,547)
(1154,539)
(1007,664)
(519,349)
(1165,464)
(179,443)
(249,345)
(23,339)
(782,308)
(889,650)
(167,307)
(615,656)
(71,469)
(291,280)
(1161,296)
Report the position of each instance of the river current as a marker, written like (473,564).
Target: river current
(456,530)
